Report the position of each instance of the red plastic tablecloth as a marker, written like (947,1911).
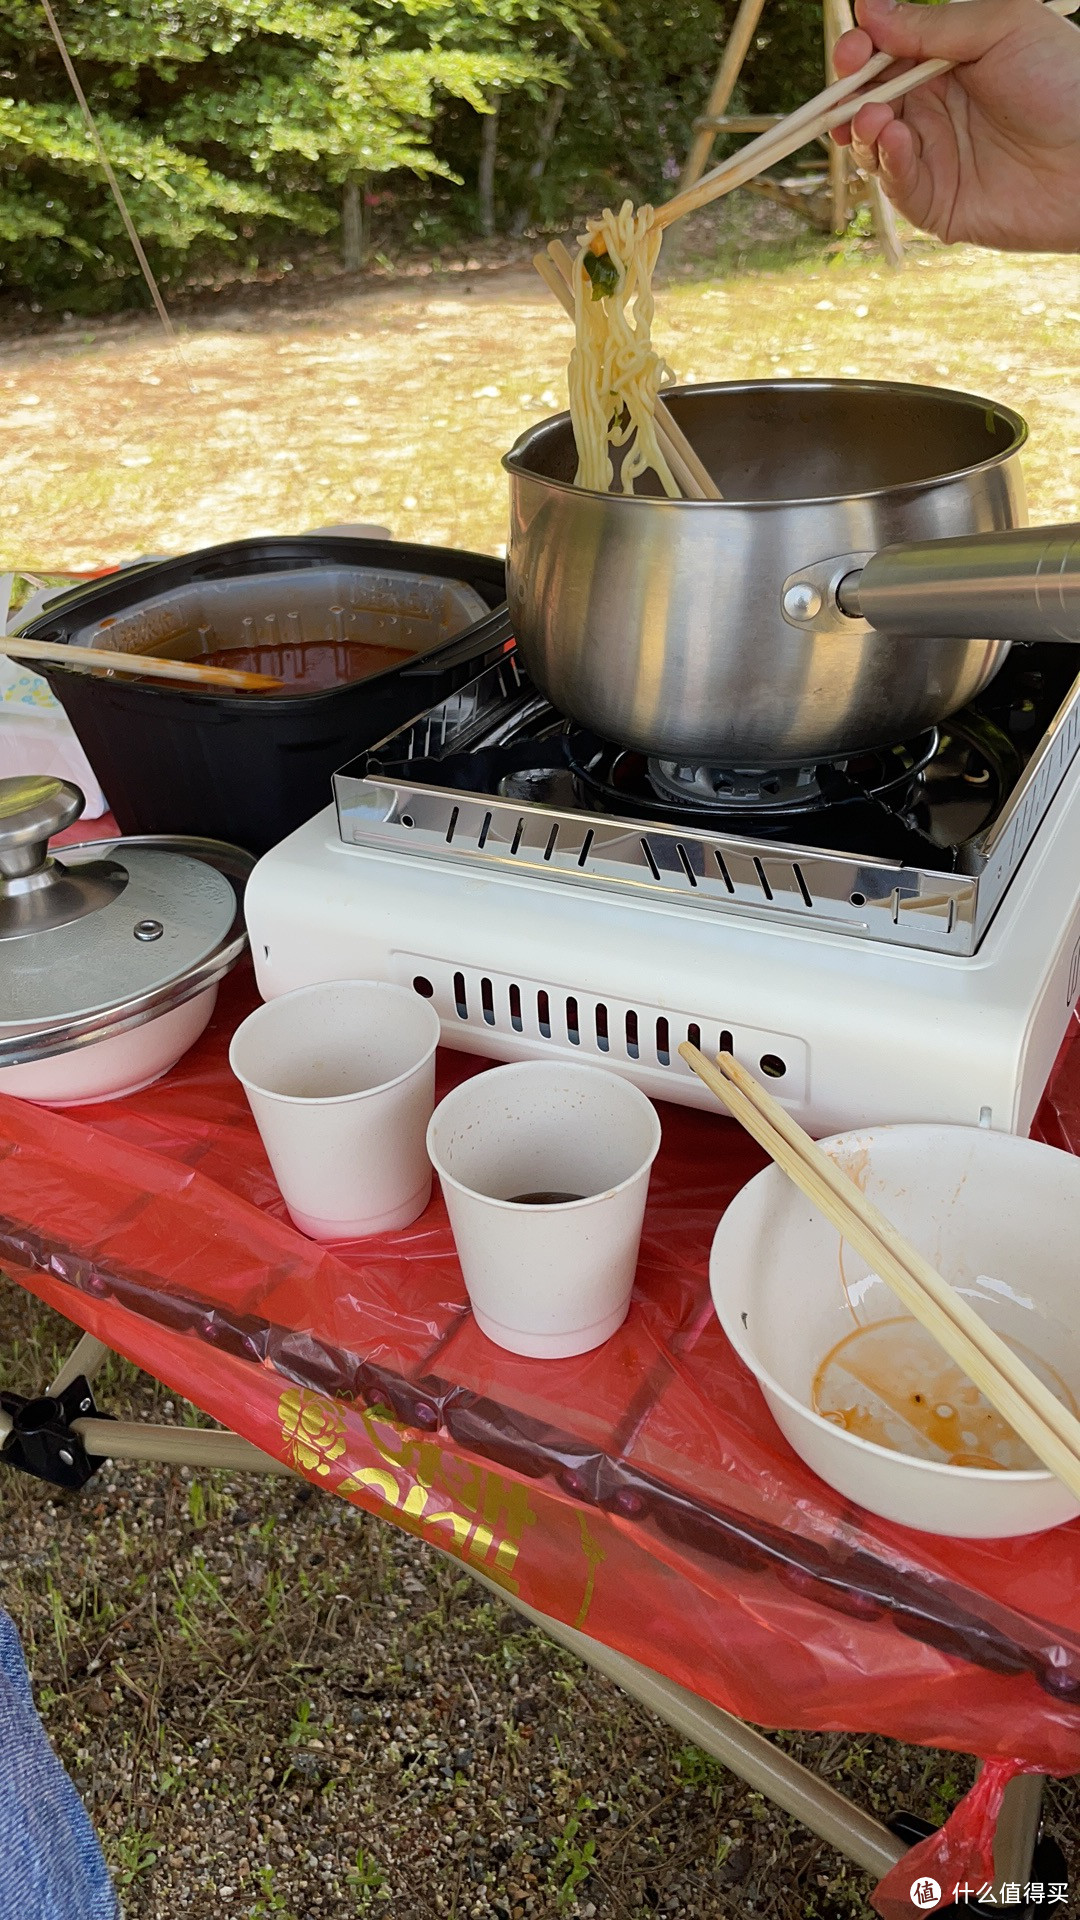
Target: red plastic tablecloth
(641,1493)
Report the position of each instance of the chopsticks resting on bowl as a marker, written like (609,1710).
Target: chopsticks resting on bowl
(556,269)
(146,666)
(1050,1430)
(815,118)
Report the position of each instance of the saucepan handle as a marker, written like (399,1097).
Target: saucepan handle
(1023,584)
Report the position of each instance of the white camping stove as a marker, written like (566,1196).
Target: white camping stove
(474,857)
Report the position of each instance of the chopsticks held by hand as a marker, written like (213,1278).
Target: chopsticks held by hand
(556,269)
(1050,1430)
(828,109)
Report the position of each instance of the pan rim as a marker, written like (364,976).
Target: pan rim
(515,464)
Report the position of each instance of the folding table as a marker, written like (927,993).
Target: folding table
(637,1503)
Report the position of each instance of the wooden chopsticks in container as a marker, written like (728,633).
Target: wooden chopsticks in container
(1049,1429)
(139,665)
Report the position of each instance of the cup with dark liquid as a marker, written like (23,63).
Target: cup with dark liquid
(544,1168)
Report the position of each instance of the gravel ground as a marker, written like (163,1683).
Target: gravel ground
(277,1708)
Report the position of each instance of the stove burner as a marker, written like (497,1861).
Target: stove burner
(782,790)
(498,773)
(924,804)
(750,789)
(767,798)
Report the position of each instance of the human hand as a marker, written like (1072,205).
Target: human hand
(989,152)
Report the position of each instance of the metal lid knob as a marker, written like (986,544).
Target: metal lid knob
(38,893)
(33,807)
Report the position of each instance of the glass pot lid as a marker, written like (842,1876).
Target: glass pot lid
(104,928)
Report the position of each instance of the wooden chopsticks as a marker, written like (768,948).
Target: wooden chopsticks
(1050,1430)
(828,109)
(145,666)
(556,269)
(811,121)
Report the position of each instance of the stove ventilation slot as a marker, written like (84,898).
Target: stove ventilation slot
(675,862)
(517,1018)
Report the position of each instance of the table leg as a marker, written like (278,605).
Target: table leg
(1017,1831)
(197,1447)
(742,1748)
(86,1359)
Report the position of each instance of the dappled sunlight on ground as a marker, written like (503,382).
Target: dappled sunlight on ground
(394,404)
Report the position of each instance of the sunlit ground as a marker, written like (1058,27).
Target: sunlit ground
(394,404)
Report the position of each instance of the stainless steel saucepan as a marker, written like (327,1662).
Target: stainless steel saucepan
(861,579)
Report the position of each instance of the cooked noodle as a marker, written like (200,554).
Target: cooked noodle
(615,372)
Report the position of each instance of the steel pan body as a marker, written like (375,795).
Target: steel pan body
(659,623)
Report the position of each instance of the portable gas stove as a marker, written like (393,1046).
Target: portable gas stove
(891,937)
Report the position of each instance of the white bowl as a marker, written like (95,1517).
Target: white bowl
(122,1063)
(997,1215)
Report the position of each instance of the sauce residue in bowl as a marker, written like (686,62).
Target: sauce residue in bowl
(891,1383)
(309,666)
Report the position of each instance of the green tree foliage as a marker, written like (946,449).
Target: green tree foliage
(627,121)
(231,122)
(235,125)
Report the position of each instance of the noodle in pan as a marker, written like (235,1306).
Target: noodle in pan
(615,373)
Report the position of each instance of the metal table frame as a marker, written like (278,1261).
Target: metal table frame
(740,1747)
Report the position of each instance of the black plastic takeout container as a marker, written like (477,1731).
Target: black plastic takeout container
(248,767)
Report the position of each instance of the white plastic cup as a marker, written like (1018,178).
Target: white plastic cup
(547,1280)
(341,1080)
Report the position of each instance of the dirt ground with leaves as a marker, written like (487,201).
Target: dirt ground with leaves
(287,408)
(277,1708)
(272,1705)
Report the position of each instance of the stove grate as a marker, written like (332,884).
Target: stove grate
(433,791)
